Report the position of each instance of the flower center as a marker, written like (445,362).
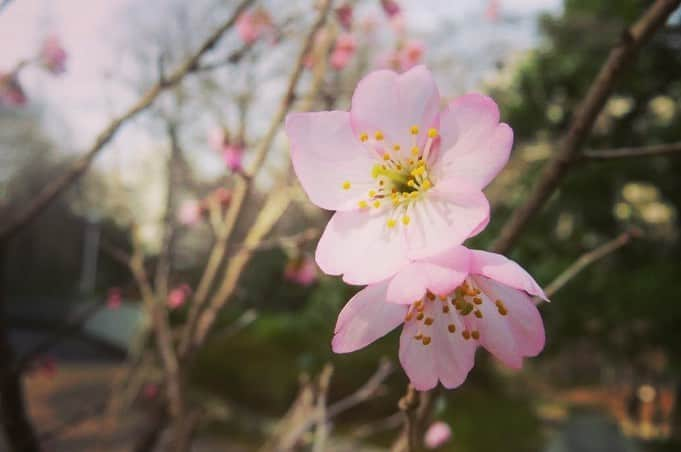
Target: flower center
(401,178)
(458,312)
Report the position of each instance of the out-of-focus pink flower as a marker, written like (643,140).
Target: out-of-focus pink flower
(150,391)
(391,8)
(190,213)
(343,51)
(11,92)
(53,56)
(301,271)
(437,435)
(344,15)
(218,138)
(411,55)
(492,10)
(464,298)
(178,296)
(252,25)
(233,156)
(403,178)
(114,298)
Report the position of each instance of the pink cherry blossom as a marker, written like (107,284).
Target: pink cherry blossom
(437,435)
(301,271)
(492,10)
(344,50)
(190,213)
(53,56)
(233,156)
(344,15)
(449,304)
(252,25)
(114,298)
(411,55)
(178,296)
(11,92)
(405,179)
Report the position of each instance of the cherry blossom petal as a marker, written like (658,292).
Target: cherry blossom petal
(331,163)
(510,337)
(447,216)
(359,246)
(474,145)
(366,318)
(440,274)
(447,358)
(505,271)
(392,104)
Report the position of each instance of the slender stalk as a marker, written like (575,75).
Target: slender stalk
(634,152)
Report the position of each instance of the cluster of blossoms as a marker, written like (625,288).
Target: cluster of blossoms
(232,150)
(52,57)
(406,181)
(254,25)
(193,211)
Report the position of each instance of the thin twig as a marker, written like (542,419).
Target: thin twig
(53,189)
(643,151)
(587,259)
(408,404)
(322,431)
(554,171)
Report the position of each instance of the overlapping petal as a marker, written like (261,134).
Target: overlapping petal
(358,245)
(391,103)
(366,318)
(474,146)
(326,155)
(502,269)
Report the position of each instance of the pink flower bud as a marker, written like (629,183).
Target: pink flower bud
(53,56)
(437,434)
(391,7)
(218,138)
(411,55)
(11,92)
(253,25)
(150,391)
(233,155)
(190,213)
(178,296)
(344,50)
(302,271)
(344,15)
(223,196)
(114,298)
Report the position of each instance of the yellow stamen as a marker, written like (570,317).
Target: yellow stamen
(378,135)
(396,147)
(363,204)
(476,335)
(391,223)
(432,133)
(451,327)
(426,340)
(428,321)
(377,204)
(372,193)
(386,156)
(363,137)
(346,185)
(414,130)
(415,151)
(406,220)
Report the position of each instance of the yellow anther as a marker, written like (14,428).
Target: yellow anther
(430,295)
(411,183)
(386,156)
(477,300)
(410,161)
(415,151)
(346,185)
(414,194)
(391,223)
(396,202)
(475,335)
(428,321)
(445,309)
(432,133)
(425,185)
(378,135)
(363,137)
(414,130)
(396,147)
(426,340)
(408,317)
(419,316)
(372,193)
(451,327)
(419,170)
(418,337)
(406,220)
(502,310)
(363,204)
(478,314)
(466,334)
(377,204)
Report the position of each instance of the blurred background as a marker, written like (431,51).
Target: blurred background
(610,376)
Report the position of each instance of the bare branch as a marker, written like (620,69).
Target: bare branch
(587,259)
(643,151)
(554,171)
(79,166)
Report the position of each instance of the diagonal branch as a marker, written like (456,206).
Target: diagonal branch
(53,189)
(582,123)
(643,151)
